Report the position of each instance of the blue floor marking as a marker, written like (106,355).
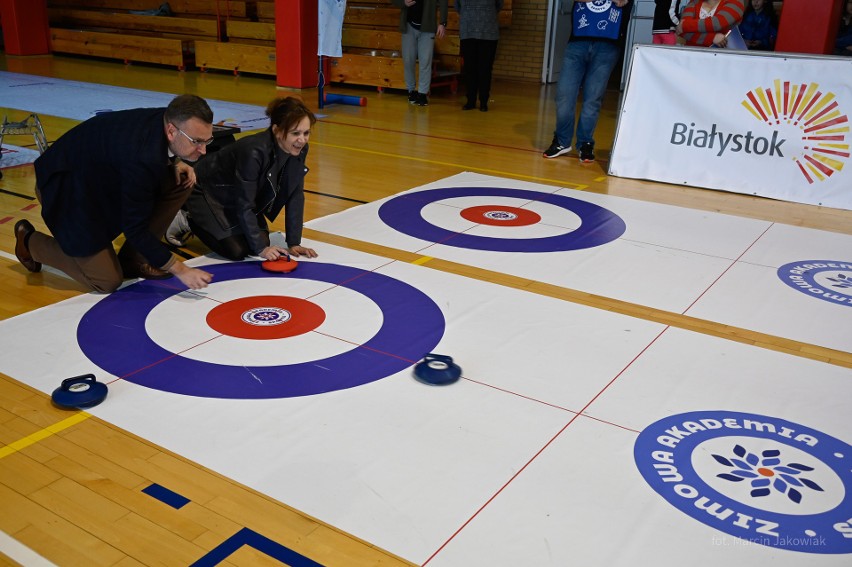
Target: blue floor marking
(261,543)
(165,495)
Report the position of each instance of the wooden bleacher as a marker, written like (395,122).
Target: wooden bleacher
(111,29)
(239,36)
(248,45)
(211,34)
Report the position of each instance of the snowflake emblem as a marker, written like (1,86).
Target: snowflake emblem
(843,282)
(500,215)
(766,473)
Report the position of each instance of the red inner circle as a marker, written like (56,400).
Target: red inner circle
(305,316)
(523,217)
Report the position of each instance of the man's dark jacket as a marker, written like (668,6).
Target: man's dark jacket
(102,179)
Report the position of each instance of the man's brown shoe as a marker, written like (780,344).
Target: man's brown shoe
(149,272)
(134,265)
(23,229)
(145,271)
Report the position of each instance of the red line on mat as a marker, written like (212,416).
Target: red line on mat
(734,263)
(546,445)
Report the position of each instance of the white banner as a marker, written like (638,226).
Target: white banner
(770,125)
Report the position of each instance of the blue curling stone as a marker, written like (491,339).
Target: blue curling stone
(80,392)
(437,369)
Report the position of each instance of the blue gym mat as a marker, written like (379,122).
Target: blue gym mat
(80,101)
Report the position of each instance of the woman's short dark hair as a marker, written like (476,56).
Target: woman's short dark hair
(287,112)
(186,106)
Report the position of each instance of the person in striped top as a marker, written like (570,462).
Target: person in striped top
(705,22)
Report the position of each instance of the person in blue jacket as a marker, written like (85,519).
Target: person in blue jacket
(759,27)
(117,173)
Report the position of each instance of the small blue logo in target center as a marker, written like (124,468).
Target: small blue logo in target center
(501,215)
(764,480)
(828,280)
(265,316)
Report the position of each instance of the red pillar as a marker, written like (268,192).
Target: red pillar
(296,43)
(809,26)
(26,30)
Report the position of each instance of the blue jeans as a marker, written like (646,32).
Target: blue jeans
(588,64)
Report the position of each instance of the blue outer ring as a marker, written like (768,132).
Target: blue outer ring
(791,528)
(598,225)
(112,334)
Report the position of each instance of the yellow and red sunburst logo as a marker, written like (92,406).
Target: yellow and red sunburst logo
(824,127)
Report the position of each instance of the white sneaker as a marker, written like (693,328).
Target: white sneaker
(179,233)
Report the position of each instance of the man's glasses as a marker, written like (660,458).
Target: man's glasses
(194,141)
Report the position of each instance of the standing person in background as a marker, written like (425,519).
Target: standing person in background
(759,27)
(420,24)
(250,181)
(666,18)
(117,173)
(590,56)
(843,43)
(479,30)
(705,22)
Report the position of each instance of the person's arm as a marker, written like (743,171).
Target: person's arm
(674,11)
(184,174)
(138,203)
(294,217)
(250,172)
(139,186)
(728,13)
(442,19)
(294,208)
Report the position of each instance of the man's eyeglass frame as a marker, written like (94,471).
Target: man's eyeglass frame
(192,140)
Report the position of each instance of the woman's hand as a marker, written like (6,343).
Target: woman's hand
(302,251)
(273,253)
(720,40)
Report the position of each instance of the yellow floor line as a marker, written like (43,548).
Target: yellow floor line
(44,433)
(560,182)
(422,260)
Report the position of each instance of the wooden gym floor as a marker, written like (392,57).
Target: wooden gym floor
(70,486)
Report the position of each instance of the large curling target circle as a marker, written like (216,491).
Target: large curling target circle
(598,225)
(112,334)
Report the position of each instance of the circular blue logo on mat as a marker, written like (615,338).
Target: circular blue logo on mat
(761,479)
(113,335)
(265,316)
(828,280)
(598,225)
